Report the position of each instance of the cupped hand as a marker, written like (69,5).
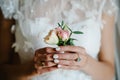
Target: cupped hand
(49,59)
(43,60)
(74,57)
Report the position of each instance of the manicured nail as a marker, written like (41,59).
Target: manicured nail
(62,52)
(59,66)
(56,61)
(57,48)
(55,56)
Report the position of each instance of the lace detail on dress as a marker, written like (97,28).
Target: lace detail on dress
(9,7)
(110,7)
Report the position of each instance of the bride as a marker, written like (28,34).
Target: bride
(91,58)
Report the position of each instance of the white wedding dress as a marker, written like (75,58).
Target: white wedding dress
(35,18)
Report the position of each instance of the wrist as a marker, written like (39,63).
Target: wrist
(86,63)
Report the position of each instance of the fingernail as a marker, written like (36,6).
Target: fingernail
(62,52)
(57,48)
(56,61)
(59,66)
(55,56)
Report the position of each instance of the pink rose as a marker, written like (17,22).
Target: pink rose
(63,34)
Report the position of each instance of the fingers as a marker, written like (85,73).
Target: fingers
(68,62)
(48,50)
(43,54)
(75,49)
(48,67)
(83,61)
(68,56)
(47,57)
(53,59)
(46,64)
(69,67)
(45,50)
(73,64)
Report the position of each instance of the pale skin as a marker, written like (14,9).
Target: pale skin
(103,69)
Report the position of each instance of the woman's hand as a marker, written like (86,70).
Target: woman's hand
(74,57)
(43,60)
(49,59)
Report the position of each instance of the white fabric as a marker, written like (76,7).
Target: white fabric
(35,18)
(117,45)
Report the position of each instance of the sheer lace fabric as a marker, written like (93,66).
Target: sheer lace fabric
(34,19)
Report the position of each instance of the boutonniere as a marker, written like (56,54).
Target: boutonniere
(61,35)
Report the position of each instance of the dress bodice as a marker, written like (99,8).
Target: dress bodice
(35,18)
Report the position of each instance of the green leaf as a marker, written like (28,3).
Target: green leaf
(70,42)
(68,29)
(73,39)
(59,24)
(77,32)
(62,23)
(65,27)
(61,43)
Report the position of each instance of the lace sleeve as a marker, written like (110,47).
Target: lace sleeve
(110,7)
(8,7)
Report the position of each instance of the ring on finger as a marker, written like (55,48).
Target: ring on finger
(78,59)
(41,63)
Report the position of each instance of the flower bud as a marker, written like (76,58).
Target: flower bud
(62,34)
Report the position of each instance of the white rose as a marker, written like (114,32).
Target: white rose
(52,38)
